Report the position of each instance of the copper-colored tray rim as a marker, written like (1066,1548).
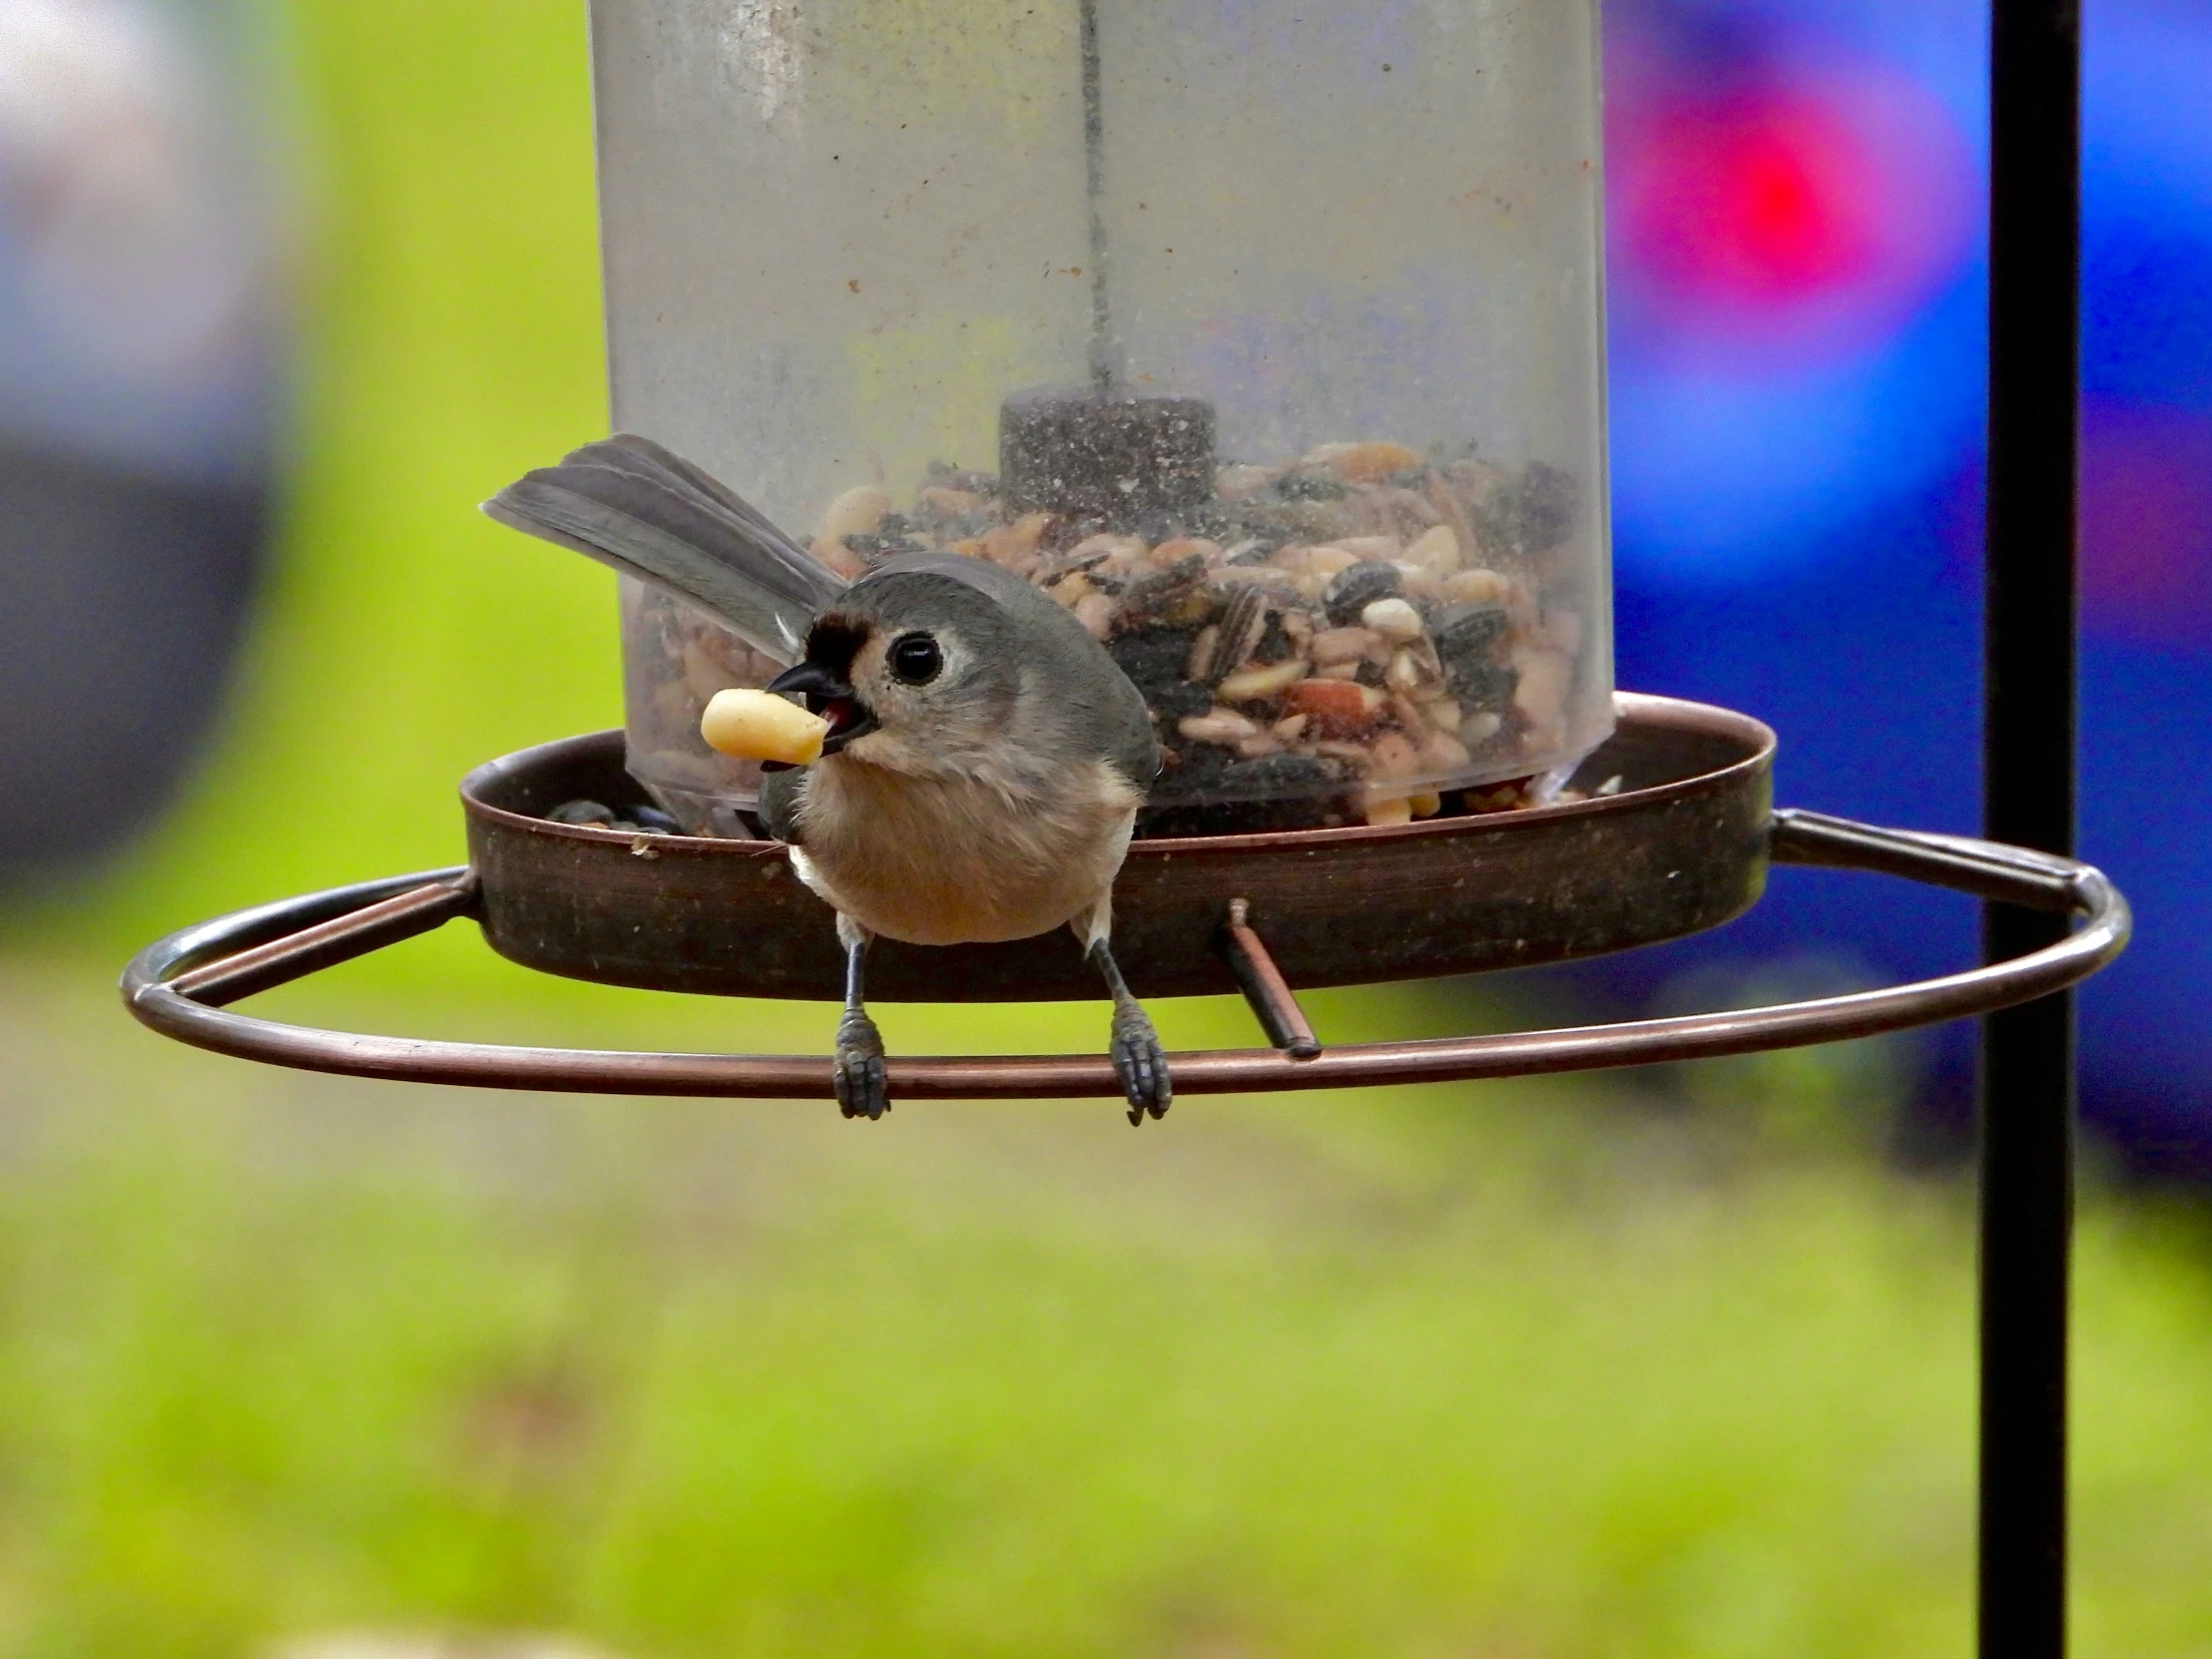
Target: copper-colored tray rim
(1755,736)
(1357,904)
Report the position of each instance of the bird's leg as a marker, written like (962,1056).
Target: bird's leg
(859,1057)
(1139,1060)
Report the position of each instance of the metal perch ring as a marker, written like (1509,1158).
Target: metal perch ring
(179,987)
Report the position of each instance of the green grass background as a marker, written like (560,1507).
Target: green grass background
(1606,1368)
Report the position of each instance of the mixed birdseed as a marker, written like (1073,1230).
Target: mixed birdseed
(1349,638)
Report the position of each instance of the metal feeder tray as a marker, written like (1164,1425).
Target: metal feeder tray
(1682,845)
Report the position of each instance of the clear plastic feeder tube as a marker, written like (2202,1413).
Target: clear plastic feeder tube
(1268,339)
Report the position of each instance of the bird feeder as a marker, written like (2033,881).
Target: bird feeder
(1269,341)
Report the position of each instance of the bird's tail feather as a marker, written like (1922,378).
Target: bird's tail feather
(628,503)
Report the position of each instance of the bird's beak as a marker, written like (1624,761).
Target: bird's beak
(830,697)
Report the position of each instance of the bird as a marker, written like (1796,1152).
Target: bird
(985,759)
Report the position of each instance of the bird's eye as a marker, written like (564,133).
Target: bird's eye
(915,659)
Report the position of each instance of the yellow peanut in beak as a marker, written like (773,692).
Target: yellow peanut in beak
(760,726)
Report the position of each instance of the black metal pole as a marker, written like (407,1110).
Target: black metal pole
(2027,1059)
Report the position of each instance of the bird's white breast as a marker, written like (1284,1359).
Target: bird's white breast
(959,859)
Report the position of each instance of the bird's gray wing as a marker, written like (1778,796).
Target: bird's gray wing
(630,504)
(1118,724)
(1100,710)
(779,793)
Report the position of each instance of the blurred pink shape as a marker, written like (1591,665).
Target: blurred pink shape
(1790,203)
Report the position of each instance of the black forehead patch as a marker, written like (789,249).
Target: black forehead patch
(835,640)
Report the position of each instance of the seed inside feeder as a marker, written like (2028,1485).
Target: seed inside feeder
(1321,641)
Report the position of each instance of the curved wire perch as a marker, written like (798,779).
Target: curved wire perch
(173,986)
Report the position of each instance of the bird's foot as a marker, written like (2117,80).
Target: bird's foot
(859,1068)
(1141,1064)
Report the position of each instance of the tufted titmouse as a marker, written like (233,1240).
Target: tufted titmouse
(985,759)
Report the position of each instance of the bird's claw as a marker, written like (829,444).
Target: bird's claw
(859,1068)
(1141,1064)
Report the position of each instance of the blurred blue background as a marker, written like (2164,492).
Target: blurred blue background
(1798,263)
